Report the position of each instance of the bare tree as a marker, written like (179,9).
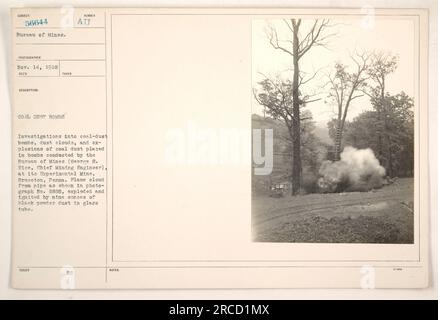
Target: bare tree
(345,86)
(296,44)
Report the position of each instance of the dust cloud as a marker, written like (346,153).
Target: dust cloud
(357,170)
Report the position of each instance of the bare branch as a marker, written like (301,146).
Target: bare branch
(314,37)
(290,27)
(310,101)
(302,81)
(273,40)
(356,96)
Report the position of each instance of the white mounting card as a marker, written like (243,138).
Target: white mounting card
(219,148)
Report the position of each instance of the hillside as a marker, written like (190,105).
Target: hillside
(312,156)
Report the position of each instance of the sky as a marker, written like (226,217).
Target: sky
(387,34)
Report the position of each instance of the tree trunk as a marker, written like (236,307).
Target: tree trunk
(389,165)
(296,128)
(379,135)
(386,130)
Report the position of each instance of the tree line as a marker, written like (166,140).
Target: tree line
(387,128)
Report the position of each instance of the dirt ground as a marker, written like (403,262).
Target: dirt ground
(378,216)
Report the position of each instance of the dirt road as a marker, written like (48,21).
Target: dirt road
(379,216)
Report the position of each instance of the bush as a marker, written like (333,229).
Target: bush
(310,183)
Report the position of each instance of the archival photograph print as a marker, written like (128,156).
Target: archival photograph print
(333,130)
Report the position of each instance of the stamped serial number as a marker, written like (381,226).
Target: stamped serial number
(36,22)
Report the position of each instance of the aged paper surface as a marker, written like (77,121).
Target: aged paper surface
(133,131)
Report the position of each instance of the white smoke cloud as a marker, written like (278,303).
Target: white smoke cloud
(358,170)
